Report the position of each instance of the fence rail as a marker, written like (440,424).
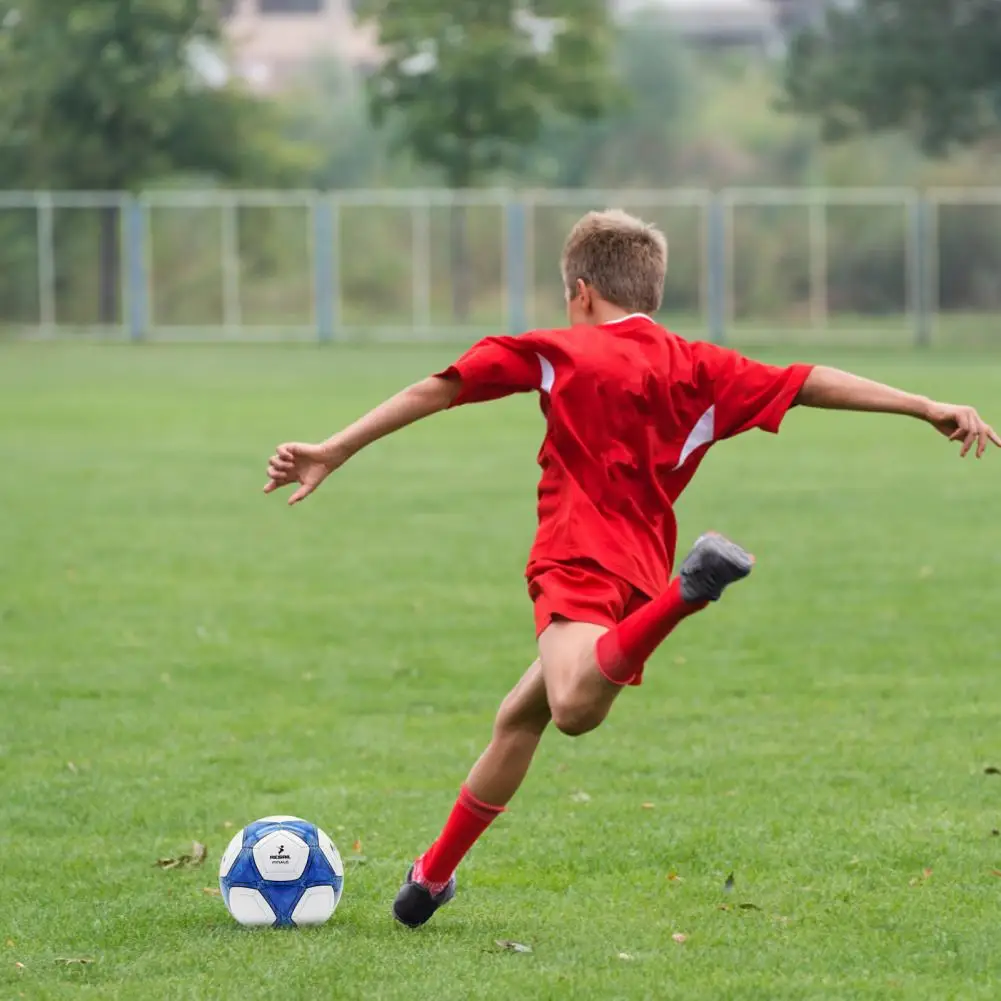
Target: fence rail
(880,265)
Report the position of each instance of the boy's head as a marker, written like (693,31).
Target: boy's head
(613,259)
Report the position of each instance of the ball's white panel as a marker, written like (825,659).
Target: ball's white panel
(281,856)
(315,906)
(279,820)
(249,907)
(229,856)
(330,852)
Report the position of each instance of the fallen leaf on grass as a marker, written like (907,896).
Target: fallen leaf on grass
(212,891)
(191,860)
(922,879)
(729,884)
(724,907)
(581,797)
(10,943)
(748,907)
(75,961)
(625,955)
(73,768)
(646,806)
(19,967)
(991,770)
(996,872)
(680,937)
(503,943)
(227,824)
(356,847)
(673,877)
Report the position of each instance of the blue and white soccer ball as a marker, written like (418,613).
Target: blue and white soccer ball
(281,871)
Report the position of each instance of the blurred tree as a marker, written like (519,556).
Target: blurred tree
(468,84)
(327,110)
(932,67)
(640,143)
(109,94)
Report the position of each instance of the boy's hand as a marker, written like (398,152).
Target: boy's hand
(298,462)
(962,424)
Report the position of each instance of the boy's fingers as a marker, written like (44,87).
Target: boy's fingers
(301,494)
(993,435)
(270,487)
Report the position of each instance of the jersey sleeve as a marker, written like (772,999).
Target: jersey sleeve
(493,368)
(748,394)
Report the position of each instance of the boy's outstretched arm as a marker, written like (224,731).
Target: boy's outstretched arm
(832,389)
(309,465)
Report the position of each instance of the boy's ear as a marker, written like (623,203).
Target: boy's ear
(583,293)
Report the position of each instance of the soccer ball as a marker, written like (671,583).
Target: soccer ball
(281,871)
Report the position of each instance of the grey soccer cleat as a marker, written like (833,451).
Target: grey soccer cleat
(712,565)
(415,904)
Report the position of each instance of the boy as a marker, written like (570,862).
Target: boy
(631,410)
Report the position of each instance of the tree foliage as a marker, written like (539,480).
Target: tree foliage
(932,67)
(471,81)
(639,144)
(107,95)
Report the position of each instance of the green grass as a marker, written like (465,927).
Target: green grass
(180,655)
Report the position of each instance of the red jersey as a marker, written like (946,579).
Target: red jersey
(631,410)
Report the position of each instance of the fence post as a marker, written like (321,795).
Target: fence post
(716,278)
(46,264)
(135,244)
(516,254)
(918,235)
(323,267)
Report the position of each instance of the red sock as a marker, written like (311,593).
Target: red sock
(468,820)
(622,651)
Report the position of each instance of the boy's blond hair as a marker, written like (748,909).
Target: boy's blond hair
(621,257)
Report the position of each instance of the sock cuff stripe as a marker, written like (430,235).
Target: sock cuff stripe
(485,810)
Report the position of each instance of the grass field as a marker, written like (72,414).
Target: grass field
(180,655)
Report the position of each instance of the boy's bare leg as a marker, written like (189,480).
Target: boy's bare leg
(521,720)
(579,695)
(493,780)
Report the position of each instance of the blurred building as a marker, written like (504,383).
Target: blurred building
(270,39)
(713,22)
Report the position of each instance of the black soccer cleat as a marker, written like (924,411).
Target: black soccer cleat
(712,565)
(415,904)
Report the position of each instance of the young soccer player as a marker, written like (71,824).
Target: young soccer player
(630,410)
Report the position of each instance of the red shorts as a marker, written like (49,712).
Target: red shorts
(580,591)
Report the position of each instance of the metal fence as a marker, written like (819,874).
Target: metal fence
(880,265)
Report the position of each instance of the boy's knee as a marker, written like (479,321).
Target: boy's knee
(574,717)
